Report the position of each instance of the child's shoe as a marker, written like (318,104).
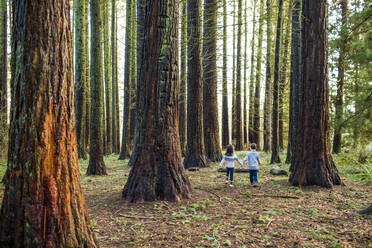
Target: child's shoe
(227,180)
(231,184)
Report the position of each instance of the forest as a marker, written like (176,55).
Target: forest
(185,123)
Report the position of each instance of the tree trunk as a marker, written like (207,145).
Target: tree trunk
(245,117)
(295,77)
(225,106)
(114,81)
(133,87)
(125,141)
(195,154)
(87,71)
(339,104)
(158,171)
(96,164)
(257,95)
(233,76)
(238,83)
(313,163)
(43,204)
(267,103)
(183,81)
(3,76)
(251,81)
(275,111)
(210,115)
(108,83)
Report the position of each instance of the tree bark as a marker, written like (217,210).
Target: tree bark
(210,115)
(195,154)
(339,104)
(225,106)
(158,171)
(268,94)
(96,164)
(245,117)
(275,111)
(133,93)
(108,73)
(313,163)
(233,76)
(3,76)
(183,81)
(43,204)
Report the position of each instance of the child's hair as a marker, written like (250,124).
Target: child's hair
(229,150)
(253,146)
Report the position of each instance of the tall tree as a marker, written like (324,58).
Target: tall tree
(339,104)
(225,106)
(210,114)
(96,164)
(108,73)
(233,76)
(3,74)
(267,103)
(133,81)
(43,204)
(238,83)
(251,81)
(257,92)
(183,81)
(158,171)
(125,141)
(312,162)
(245,117)
(275,111)
(195,153)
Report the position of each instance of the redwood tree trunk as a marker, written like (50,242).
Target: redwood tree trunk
(225,107)
(108,73)
(183,81)
(238,83)
(3,76)
(195,153)
(275,111)
(210,115)
(313,163)
(43,204)
(96,164)
(158,171)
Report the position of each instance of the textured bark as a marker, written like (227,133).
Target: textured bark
(114,80)
(313,163)
(245,117)
(183,81)
(195,153)
(3,76)
(125,141)
(238,83)
(210,115)
(268,91)
(295,77)
(233,76)
(158,171)
(43,204)
(257,92)
(108,83)
(81,80)
(339,104)
(275,111)
(225,106)
(251,81)
(87,71)
(133,82)
(96,164)
(285,53)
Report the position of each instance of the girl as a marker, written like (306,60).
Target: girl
(228,159)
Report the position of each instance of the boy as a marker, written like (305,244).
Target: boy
(253,162)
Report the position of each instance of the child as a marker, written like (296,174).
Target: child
(228,159)
(253,162)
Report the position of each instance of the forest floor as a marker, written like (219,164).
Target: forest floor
(274,214)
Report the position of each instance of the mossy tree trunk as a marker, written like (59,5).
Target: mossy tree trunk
(257,92)
(183,81)
(3,76)
(133,87)
(275,111)
(158,171)
(210,115)
(125,141)
(96,164)
(225,106)
(108,73)
(238,83)
(195,153)
(251,81)
(312,162)
(43,204)
(245,117)
(268,91)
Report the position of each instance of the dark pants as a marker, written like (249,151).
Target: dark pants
(230,171)
(253,176)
